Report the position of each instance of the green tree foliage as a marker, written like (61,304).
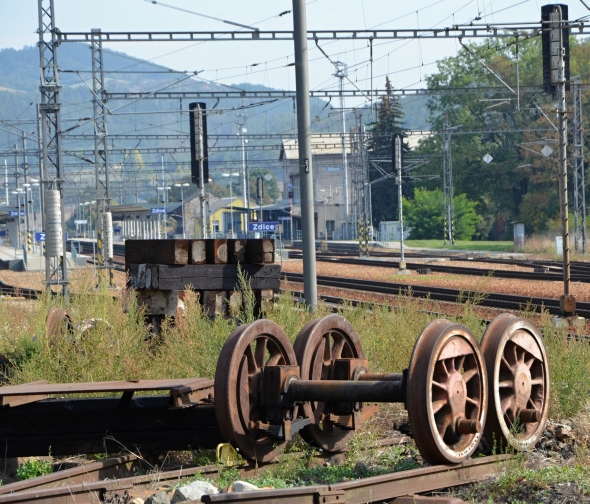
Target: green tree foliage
(520,183)
(271,187)
(390,117)
(424,214)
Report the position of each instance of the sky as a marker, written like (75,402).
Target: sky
(265,62)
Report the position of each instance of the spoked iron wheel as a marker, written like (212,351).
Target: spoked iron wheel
(237,386)
(518,381)
(317,345)
(447,393)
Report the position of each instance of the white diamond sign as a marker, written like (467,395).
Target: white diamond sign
(546,151)
(488,159)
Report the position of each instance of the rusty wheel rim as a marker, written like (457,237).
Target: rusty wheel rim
(447,393)
(518,381)
(238,402)
(317,345)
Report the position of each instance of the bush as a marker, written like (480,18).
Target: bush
(424,215)
(33,468)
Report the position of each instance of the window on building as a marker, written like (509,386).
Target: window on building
(330,226)
(216,226)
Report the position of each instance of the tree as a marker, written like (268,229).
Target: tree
(271,187)
(389,122)
(424,214)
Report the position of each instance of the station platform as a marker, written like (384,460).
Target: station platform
(35,262)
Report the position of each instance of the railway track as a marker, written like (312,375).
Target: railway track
(579,275)
(492,300)
(102,482)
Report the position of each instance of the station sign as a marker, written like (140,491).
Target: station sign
(14,213)
(39,237)
(155,211)
(263,226)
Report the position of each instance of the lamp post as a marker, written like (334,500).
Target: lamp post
(164,190)
(27,187)
(36,183)
(18,192)
(231,199)
(182,186)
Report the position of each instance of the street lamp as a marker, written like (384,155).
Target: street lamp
(18,192)
(37,184)
(231,199)
(27,187)
(182,186)
(165,201)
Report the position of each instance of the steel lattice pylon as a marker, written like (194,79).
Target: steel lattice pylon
(51,156)
(580,241)
(360,186)
(100,147)
(448,186)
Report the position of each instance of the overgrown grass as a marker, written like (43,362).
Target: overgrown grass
(118,346)
(490,246)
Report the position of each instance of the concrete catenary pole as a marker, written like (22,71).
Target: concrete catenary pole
(310,287)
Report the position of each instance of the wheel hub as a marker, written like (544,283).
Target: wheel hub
(522,386)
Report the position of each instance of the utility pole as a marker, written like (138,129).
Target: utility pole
(27,187)
(397,158)
(51,158)
(341,72)
(245,196)
(310,288)
(580,239)
(448,185)
(199,158)
(557,33)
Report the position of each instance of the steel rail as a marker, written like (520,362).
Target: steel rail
(458,270)
(376,488)
(485,299)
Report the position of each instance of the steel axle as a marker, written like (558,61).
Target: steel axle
(339,391)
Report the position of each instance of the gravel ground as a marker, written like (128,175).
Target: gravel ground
(36,279)
(536,288)
(441,261)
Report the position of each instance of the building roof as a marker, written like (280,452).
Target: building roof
(320,145)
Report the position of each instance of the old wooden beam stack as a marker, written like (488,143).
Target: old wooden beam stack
(162,270)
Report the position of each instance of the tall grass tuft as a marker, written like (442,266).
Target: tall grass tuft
(116,344)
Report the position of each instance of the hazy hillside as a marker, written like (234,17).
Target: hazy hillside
(19,84)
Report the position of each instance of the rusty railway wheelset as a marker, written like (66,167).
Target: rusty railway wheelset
(455,390)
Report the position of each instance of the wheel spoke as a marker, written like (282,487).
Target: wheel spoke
(467,375)
(506,404)
(437,405)
(327,349)
(337,347)
(442,366)
(249,354)
(439,385)
(537,381)
(472,401)
(506,384)
(530,362)
(260,353)
(459,364)
(442,427)
(506,363)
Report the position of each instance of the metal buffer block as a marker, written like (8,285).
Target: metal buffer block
(266,390)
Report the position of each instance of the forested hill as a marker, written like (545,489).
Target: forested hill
(19,87)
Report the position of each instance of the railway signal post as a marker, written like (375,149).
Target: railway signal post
(554,77)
